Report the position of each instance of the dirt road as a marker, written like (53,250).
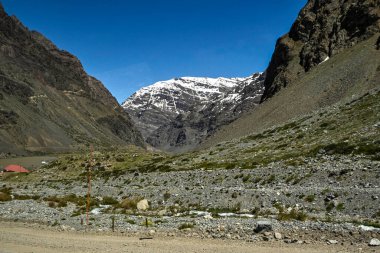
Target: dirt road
(20,238)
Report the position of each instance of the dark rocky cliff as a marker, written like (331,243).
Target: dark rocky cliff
(47,100)
(323,29)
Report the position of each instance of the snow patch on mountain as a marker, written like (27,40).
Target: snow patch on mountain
(194,106)
(166,94)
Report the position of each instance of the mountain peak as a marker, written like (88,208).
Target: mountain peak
(184,101)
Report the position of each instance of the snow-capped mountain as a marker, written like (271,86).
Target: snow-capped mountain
(180,112)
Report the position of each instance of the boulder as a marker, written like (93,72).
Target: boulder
(143,205)
(263,226)
(277,235)
(374,242)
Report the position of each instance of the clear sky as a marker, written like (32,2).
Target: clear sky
(128,44)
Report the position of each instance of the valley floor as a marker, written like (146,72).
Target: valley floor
(20,237)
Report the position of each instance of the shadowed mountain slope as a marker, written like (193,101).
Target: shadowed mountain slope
(48,103)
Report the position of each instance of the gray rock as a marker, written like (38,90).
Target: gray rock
(277,235)
(332,242)
(263,226)
(374,242)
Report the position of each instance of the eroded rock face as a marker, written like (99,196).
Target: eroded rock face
(323,29)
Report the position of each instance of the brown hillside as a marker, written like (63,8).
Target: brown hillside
(48,102)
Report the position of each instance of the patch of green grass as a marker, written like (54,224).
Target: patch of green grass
(62,201)
(310,198)
(109,201)
(130,221)
(292,215)
(147,223)
(340,207)
(26,197)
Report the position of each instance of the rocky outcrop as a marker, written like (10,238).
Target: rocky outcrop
(176,115)
(323,29)
(48,101)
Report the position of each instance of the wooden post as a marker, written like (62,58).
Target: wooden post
(113,223)
(89,187)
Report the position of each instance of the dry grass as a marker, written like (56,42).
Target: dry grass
(130,203)
(5,196)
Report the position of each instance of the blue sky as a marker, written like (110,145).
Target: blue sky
(130,44)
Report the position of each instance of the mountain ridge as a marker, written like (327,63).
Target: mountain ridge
(190,108)
(48,103)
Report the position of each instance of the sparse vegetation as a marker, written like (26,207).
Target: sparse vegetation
(167,195)
(340,207)
(5,196)
(130,203)
(186,226)
(109,201)
(292,215)
(329,206)
(310,198)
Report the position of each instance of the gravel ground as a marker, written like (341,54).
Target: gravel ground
(21,237)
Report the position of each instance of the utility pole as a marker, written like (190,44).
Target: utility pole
(89,186)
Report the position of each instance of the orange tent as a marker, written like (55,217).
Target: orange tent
(15,168)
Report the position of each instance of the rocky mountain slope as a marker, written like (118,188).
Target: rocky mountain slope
(48,102)
(177,114)
(331,54)
(322,30)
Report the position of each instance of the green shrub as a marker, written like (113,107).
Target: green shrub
(292,215)
(130,221)
(109,201)
(130,203)
(186,225)
(25,197)
(329,206)
(310,198)
(340,207)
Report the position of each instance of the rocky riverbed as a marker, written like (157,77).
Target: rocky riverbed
(332,200)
